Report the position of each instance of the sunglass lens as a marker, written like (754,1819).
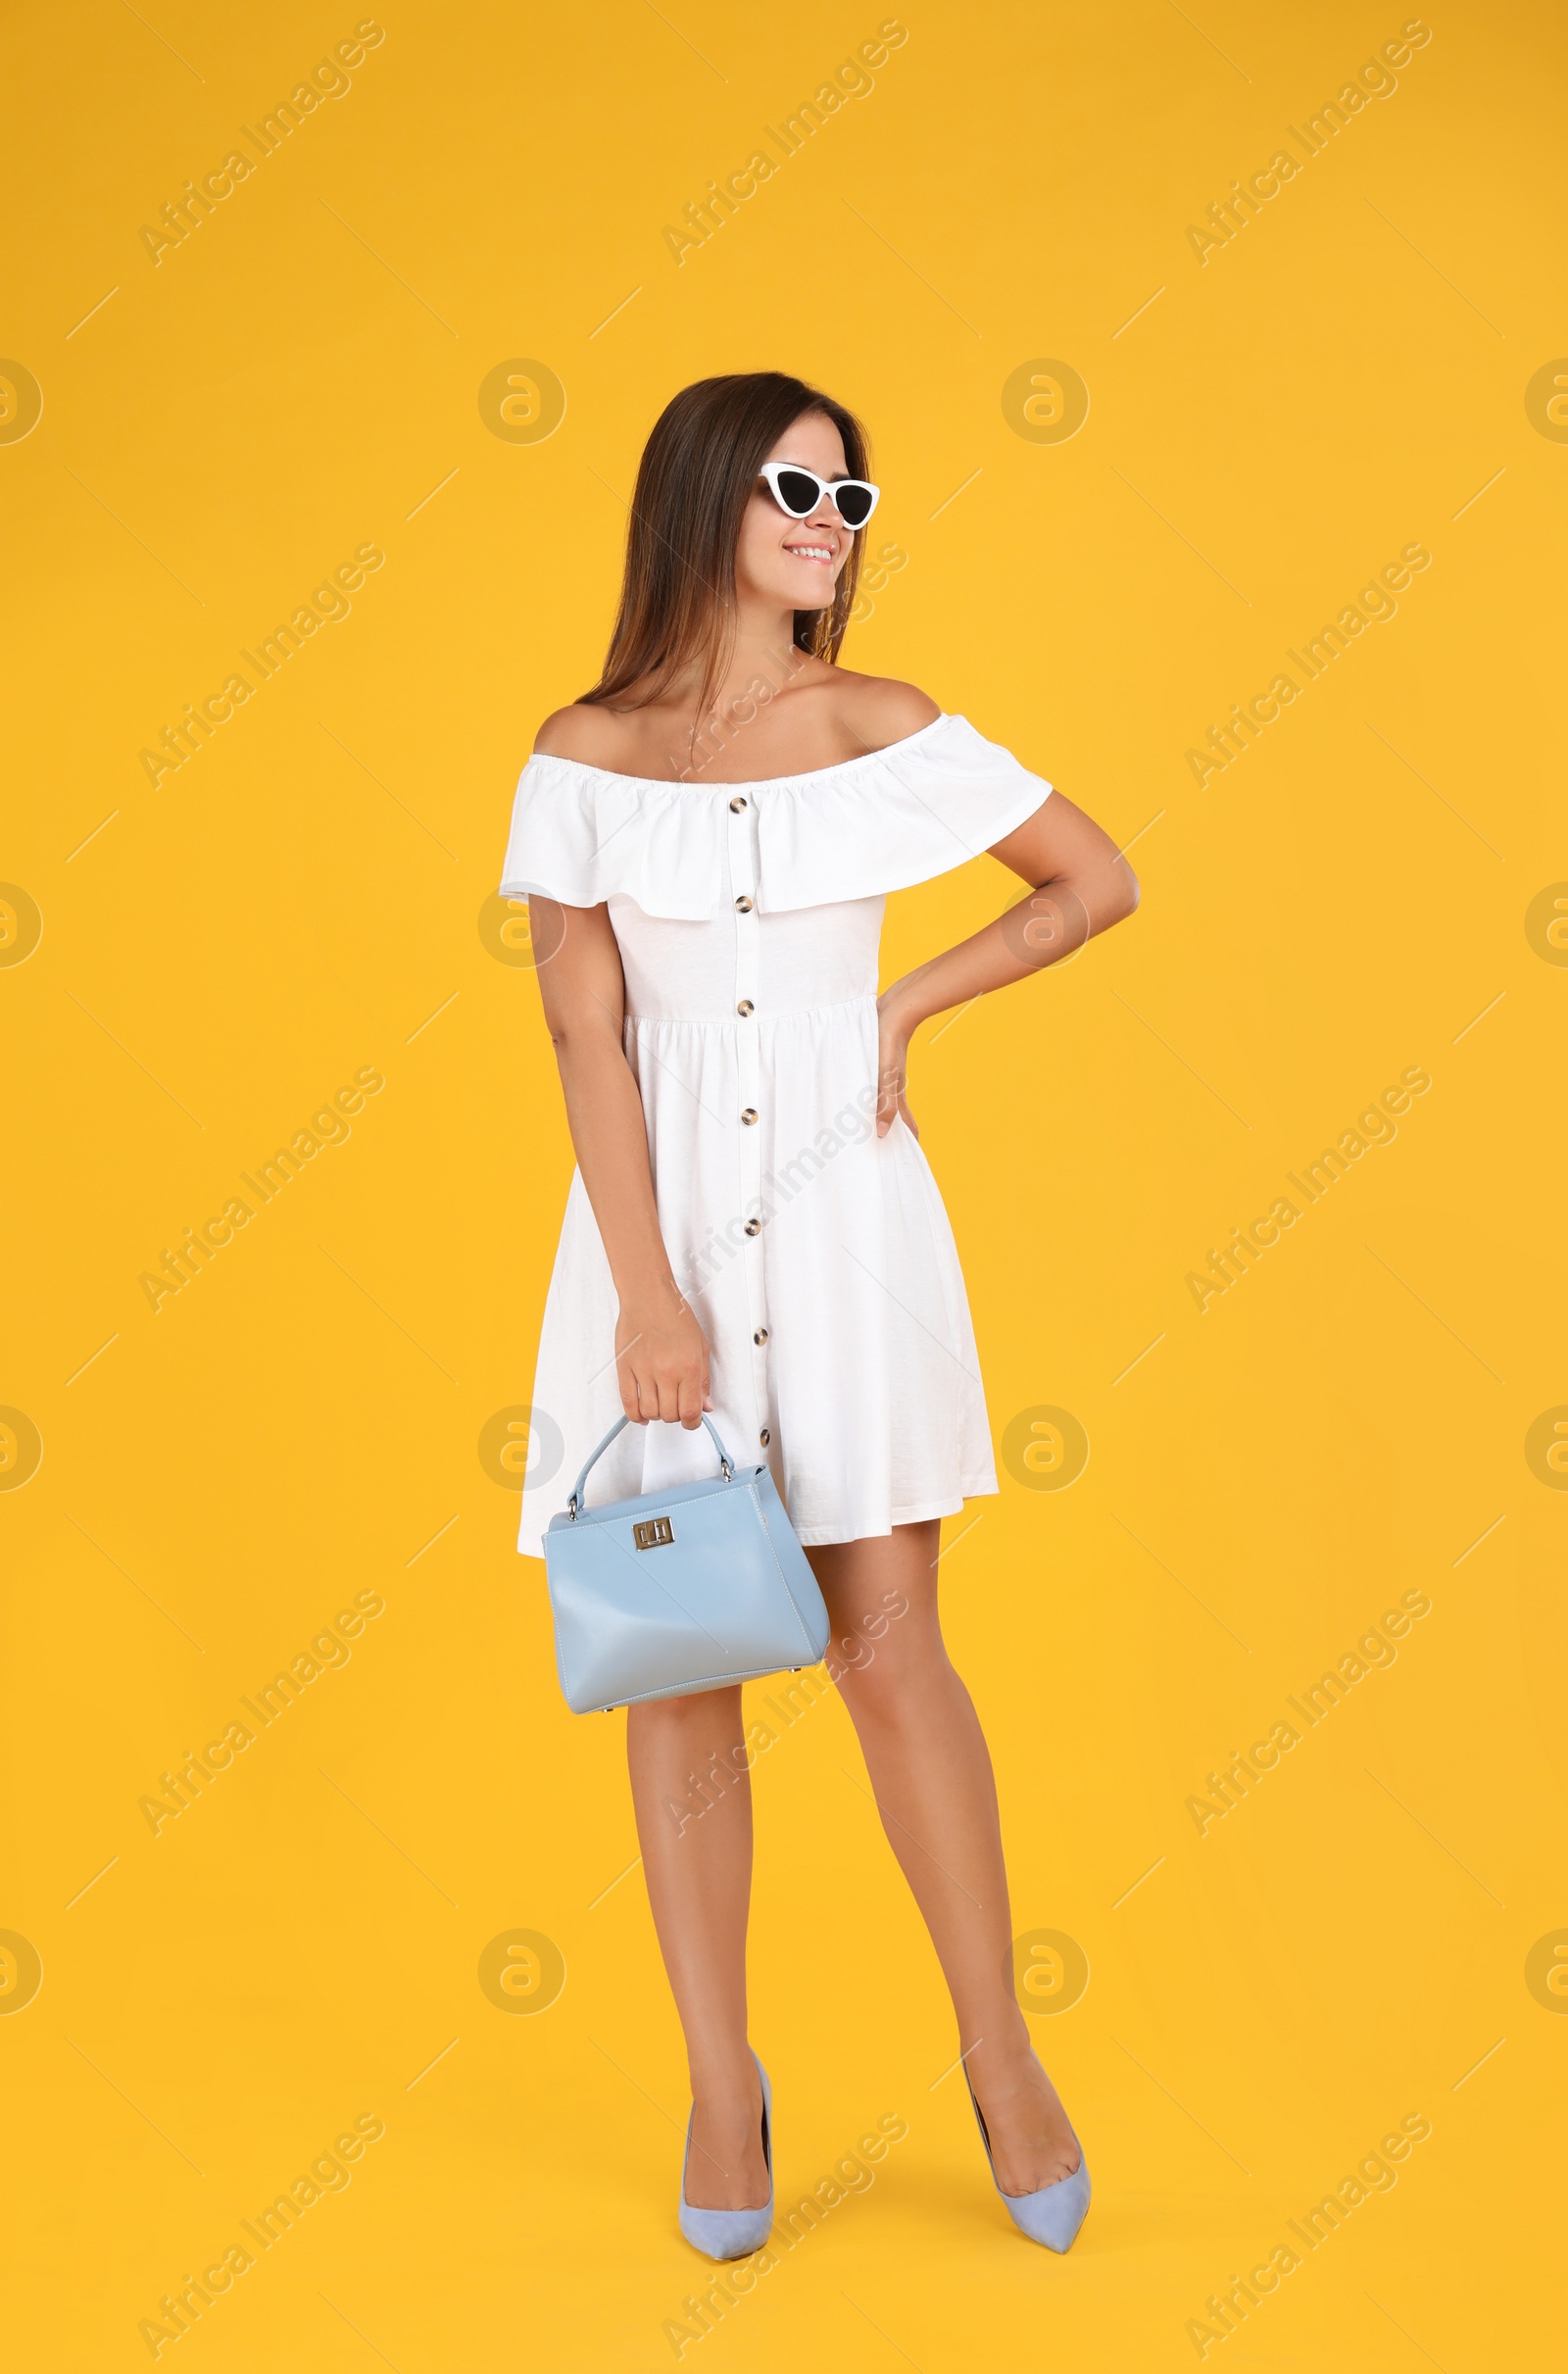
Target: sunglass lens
(855,505)
(799,491)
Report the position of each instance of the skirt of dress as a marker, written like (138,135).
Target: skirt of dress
(842,1348)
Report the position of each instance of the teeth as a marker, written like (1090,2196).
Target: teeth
(812,552)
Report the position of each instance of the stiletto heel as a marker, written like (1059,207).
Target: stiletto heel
(1055,2213)
(731,2233)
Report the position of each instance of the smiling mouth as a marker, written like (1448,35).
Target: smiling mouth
(822,553)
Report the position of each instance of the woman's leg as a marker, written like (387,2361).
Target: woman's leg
(694,1823)
(930,1769)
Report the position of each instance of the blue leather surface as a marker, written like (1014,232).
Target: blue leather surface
(732,1596)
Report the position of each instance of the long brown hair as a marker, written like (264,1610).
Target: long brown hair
(697,471)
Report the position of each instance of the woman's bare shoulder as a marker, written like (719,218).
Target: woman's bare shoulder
(586,731)
(879,710)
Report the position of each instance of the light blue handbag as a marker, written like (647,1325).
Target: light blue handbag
(678,1591)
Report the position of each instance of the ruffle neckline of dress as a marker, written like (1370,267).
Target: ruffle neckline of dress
(878,823)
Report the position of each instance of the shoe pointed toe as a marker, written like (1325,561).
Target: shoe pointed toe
(1055,2213)
(1052,2215)
(726,2233)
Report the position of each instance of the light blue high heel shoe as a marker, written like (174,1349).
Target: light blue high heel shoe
(1055,2213)
(731,2233)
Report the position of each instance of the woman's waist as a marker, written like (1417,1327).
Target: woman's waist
(758,1014)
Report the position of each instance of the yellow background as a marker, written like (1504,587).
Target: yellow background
(301,1423)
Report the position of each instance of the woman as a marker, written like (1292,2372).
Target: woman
(707,838)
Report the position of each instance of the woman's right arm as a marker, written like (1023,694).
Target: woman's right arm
(661,1351)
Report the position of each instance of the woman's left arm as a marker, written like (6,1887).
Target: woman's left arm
(1079,884)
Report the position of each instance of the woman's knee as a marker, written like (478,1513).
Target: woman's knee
(886,1677)
(877,1621)
(699,1715)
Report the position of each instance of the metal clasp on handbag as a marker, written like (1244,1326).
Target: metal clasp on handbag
(652,1532)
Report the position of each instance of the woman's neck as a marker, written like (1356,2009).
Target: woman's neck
(760,657)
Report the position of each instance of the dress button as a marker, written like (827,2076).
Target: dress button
(748,1117)
(746,1006)
(764,1438)
(735,806)
(753,1227)
(742,906)
(761,1336)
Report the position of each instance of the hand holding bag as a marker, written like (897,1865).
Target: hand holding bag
(678,1591)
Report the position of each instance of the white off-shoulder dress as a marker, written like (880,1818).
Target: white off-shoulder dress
(817,1256)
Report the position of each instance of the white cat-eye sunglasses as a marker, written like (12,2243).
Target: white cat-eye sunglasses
(800,492)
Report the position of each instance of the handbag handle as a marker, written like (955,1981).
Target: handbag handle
(726,1465)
